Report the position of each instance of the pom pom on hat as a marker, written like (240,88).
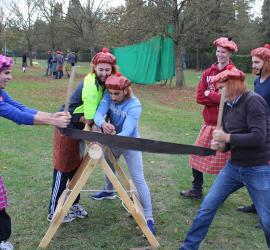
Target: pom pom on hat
(267,46)
(231,72)
(104,57)
(226,42)
(117,82)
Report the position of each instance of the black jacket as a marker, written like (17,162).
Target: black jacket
(248,122)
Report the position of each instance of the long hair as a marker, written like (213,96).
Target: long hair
(266,68)
(235,88)
(129,93)
(115,68)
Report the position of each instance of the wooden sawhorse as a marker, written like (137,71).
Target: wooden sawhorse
(122,185)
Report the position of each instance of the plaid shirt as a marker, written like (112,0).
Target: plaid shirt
(3,195)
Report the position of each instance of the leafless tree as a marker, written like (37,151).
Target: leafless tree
(24,15)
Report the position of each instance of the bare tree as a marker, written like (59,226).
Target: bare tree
(52,12)
(82,20)
(24,16)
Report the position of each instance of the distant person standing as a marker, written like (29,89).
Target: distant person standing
(59,64)
(24,62)
(49,63)
(70,58)
(54,63)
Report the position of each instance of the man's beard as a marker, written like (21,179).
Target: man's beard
(101,82)
(257,72)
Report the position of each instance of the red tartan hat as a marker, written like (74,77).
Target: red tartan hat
(227,43)
(231,72)
(104,57)
(262,52)
(117,82)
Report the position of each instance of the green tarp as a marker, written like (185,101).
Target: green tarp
(147,62)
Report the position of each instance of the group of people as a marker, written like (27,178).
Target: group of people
(104,101)
(56,62)
(242,142)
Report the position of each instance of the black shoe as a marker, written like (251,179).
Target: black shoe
(191,194)
(247,209)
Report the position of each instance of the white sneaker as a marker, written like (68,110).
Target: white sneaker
(79,211)
(68,218)
(5,245)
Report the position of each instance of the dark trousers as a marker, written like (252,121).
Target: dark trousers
(5,225)
(60,180)
(197,183)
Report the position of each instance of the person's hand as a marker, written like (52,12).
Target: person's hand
(82,119)
(61,119)
(220,146)
(89,122)
(108,128)
(95,128)
(59,114)
(220,136)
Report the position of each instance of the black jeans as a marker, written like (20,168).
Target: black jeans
(197,183)
(5,225)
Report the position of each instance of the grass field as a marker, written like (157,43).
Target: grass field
(168,114)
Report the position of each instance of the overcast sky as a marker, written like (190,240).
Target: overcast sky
(256,8)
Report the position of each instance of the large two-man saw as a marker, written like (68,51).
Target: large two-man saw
(138,144)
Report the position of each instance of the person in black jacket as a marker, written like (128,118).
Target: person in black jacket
(246,132)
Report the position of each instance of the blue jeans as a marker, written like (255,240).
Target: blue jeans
(49,69)
(257,181)
(135,165)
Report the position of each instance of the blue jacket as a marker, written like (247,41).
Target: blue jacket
(124,116)
(14,110)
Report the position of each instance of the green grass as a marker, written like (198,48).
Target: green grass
(25,163)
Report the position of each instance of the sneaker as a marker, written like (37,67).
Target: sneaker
(151,226)
(191,194)
(79,211)
(5,245)
(247,209)
(68,218)
(103,196)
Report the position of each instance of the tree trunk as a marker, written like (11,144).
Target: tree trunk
(179,73)
(30,55)
(197,57)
